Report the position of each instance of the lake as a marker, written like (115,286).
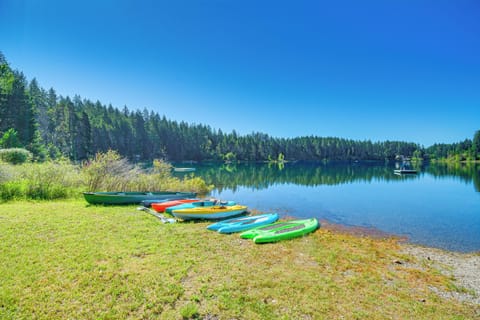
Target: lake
(438,207)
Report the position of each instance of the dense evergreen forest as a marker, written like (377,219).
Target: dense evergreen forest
(53,126)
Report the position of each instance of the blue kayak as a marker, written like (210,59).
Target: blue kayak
(243,223)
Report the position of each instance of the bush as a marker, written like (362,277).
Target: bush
(15,155)
(12,190)
(9,188)
(107,172)
(110,172)
(51,180)
(6,172)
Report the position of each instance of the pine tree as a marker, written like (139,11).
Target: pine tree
(476,144)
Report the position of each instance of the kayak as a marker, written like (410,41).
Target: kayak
(133,197)
(198,203)
(209,213)
(281,230)
(243,223)
(162,206)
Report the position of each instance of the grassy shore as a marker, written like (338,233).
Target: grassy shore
(66,259)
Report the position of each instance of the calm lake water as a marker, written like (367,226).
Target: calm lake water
(438,207)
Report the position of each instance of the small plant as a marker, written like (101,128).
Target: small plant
(11,190)
(189,311)
(10,139)
(15,155)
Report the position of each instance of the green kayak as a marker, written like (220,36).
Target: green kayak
(281,230)
(134,197)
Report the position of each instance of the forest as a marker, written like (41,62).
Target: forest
(52,126)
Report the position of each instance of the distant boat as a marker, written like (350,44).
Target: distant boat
(405,171)
(405,167)
(183,169)
(133,197)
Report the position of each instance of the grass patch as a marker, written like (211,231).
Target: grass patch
(67,259)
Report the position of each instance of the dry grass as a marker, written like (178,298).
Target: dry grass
(68,260)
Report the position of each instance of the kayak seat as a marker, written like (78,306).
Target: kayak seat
(274,226)
(300,226)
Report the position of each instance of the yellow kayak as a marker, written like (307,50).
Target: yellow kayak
(212,212)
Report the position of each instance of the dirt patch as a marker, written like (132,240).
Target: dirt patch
(464,269)
(359,231)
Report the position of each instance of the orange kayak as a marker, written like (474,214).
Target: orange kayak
(162,206)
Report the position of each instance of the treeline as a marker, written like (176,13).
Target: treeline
(53,126)
(467,150)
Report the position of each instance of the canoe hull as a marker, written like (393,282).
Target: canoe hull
(162,206)
(281,230)
(243,223)
(209,213)
(133,197)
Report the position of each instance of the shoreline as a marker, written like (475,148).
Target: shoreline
(462,268)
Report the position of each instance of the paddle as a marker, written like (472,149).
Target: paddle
(158,215)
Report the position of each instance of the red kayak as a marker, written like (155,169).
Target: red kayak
(161,206)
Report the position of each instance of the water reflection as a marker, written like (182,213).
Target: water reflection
(439,206)
(467,172)
(260,176)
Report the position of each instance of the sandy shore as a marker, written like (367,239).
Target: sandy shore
(464,269)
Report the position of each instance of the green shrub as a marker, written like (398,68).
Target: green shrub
(189,311)
(15,155)
(48,180)
(10,139)
(197,184)
(110,172)
(6,172)
(107,172)
(51,180)
(11,190)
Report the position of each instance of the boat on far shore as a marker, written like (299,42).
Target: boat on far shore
(183,169)
(405,171)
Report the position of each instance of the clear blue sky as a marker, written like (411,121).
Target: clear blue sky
(398,70)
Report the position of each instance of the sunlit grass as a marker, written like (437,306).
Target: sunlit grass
(66,259)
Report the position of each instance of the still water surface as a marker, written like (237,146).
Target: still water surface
(438,207)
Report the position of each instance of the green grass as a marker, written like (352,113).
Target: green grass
(66,259)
